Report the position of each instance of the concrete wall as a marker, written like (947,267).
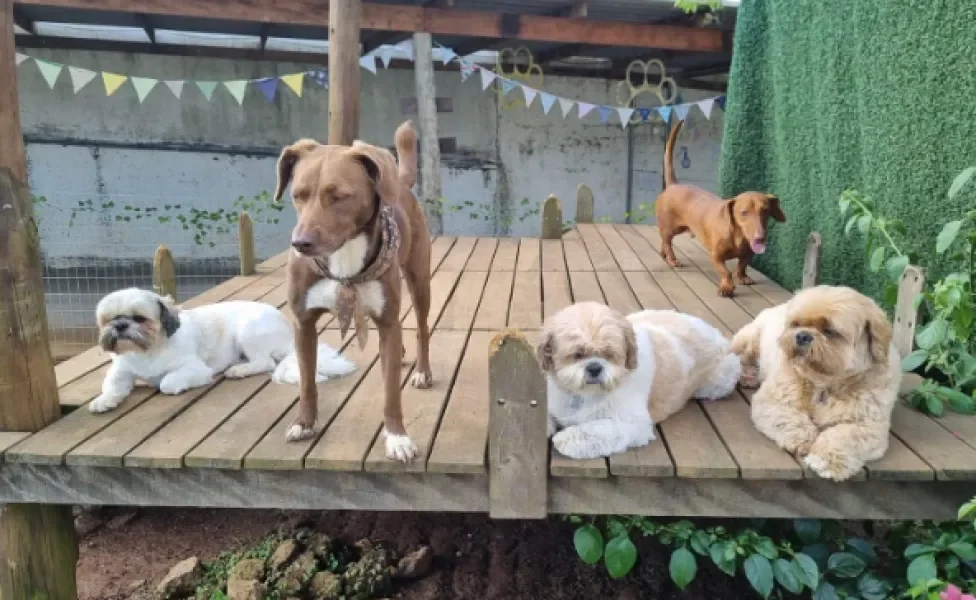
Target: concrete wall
(115,152)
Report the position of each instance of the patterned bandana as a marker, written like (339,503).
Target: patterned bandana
(349,303)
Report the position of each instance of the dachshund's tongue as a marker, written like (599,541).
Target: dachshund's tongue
(758,246)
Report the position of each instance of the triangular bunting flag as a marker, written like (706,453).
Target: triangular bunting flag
(530,94)
(507,86)
(449,55)
(112,82)
(386,55)
(175,86)
(706,107)
(645,113)
(80,77)
(585,108)
(237,89)
(367,62)
(20,57)
(681,111)
(566,105)
(604,114)
(320,77)
(49,71)
(486,78)
(547,101)
(665,112)
(406,48)
(294,81)
(143,86)
(625,114)
(207,87)
(268,87)
(467,70)
(721,102)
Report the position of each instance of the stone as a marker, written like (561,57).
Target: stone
(88,521)
(325,586)
(182,580)
(248,569)
(297,575)
(244,589)
(416,564)
(283,554)
(320,544)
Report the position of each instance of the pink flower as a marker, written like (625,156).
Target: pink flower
(954,593)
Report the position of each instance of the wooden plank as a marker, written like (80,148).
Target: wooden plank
(228,444)
(899,464)
(529,258)
(599,253)
(562,466)
(462,438)
(493,310)
(518,448)
(84,389)
(683,297)
(585,287)
(621,250)
(345,18)
(273,452)
(551,227)
(556,294)
(811,260)
(10,438)
(484,252)
(730,313)
(949,456)
(961,426)
(757,456)
(648,255)
(441,287)
(647,290)
(526,308)
(576,257)
(438,250)
(458,256)
(617,291)
(430,186)
(552,256)
(697,450)
(906,313)
(506,255)
(463,305)
(651,460)
(422,409)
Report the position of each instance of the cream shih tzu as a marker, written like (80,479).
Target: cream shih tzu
(175,350)
(611,378)
(828,377)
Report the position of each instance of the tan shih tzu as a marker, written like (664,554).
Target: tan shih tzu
(151,339)
(828,377)
(611,378)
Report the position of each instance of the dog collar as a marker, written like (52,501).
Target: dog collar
(349,305)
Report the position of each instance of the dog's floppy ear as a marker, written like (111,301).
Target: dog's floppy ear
(879,333)
(168,319)
(544,351)
(774,210)
(382,169)
(287,161)
(730,210)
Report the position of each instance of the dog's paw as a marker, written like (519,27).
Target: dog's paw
(675,264)
(172,385)
(833,466)
(239,371)
(572,444)
(421,379)
(400,447)
(298,432)
(103,404)
(726,289)
(749,378)
(746,280)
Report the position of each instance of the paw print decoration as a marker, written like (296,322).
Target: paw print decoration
(638,82)
(523,70)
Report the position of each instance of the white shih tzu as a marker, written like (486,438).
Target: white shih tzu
(611,378)
(149,338)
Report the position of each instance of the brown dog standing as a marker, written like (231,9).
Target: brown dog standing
(728,228)
(359,228)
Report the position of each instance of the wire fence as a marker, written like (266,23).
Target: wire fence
(92,245)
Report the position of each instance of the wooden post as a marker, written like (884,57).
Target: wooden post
(245,243)
(164,272)
(344,21)
(430,152)
(906,314)
(518,450)
(552,219)
(38,544)
(584,204)
(811,261)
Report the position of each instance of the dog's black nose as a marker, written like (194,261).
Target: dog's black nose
(594,369)
(804,338)
(121,325)
(303,245)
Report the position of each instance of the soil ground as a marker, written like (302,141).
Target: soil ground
(475,557)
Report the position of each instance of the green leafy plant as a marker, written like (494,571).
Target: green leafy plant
(505,217)
(692,6)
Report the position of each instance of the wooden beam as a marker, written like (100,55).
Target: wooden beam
(429,19)
(37,542)
(430,154)
(22,21)
(147,26)
(345,17)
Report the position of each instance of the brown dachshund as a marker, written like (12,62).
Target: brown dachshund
(728,228)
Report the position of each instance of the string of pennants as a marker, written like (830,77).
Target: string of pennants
(269,86)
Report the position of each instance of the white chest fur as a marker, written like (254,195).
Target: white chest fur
(346,262)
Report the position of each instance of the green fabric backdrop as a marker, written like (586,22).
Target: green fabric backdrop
(878,95)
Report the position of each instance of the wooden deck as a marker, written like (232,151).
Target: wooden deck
(225,445)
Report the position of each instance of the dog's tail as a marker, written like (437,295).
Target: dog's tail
(329,364)
(405,140)
(669,177)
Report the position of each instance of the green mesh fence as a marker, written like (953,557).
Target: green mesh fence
(878,95)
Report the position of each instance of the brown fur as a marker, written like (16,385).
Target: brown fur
(334,189)
(724,226)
